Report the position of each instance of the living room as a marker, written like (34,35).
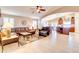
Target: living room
(38,29)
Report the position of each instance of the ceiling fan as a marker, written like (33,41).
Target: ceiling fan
(39,9)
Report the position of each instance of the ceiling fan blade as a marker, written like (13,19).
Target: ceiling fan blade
(42,10)
(38,9)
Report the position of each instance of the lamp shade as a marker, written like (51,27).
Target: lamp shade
(7,29)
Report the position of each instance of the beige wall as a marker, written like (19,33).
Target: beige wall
(77,23)
(55,21)
(18,20)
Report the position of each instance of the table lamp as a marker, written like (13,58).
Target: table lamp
(7,29)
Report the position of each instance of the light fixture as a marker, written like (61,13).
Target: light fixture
(39,9)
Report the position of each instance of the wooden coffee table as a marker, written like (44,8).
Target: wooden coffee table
(25,34)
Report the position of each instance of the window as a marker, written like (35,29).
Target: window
(67,24)
(8,20)
(34,24)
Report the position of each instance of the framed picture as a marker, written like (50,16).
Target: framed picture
(24,22)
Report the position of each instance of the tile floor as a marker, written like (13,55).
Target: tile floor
(54,43)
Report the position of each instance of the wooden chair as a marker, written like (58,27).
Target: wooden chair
(4,40)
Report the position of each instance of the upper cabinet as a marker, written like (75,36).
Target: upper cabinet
(60,21)
(72,20)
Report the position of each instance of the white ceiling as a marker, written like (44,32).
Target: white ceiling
(27,11)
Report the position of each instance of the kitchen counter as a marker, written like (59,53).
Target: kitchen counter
(66,29)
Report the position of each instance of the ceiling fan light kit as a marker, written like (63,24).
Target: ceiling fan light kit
(38,11)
